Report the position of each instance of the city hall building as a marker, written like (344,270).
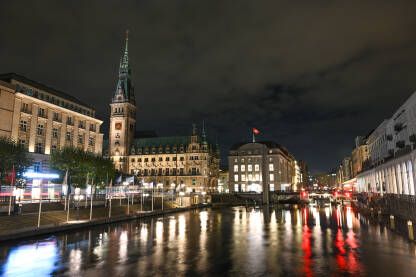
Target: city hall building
(186,163)
(261,166)
(43,119)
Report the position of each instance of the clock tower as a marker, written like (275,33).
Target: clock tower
(122,115)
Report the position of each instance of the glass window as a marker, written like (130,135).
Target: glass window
(22,142)
(257,177)
(250,167)
(250,177)
(41,112)
(271,187)
(242,160)
(181,159)
(271,167)
(80,138)
(236,177)
(256,167)
(39,147)
(40,129)
(23,125)
(68,135)
(235,168)
(243,177)
(53,148)
(55,132)
(243,187)
(243,168)
(236,187)
(167,159)
(271,177)
(91,141)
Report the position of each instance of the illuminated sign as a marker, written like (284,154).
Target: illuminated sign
(40,175)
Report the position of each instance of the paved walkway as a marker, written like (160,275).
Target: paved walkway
(17,223)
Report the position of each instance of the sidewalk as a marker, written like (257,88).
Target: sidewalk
(19,226)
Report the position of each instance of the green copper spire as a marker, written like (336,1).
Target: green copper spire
(125,90)
(204,135)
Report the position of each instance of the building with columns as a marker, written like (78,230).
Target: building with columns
(392,154)
(43,119)
(186,163)
(260,166)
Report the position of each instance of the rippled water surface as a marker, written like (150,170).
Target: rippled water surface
(289,241)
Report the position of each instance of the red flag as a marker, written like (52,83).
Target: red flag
(13,176)
(256,131)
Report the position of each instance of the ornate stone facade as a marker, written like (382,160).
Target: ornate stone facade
(187,163)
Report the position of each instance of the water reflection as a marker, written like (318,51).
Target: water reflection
(241,241)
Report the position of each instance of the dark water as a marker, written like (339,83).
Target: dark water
(329,241)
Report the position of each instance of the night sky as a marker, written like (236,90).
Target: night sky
(309,75)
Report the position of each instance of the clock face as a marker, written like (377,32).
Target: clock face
(118,126)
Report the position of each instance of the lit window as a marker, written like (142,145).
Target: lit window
(256,167)
(236,187)
(250,177)
(243,177)
(250,167)
(68,135)
(271,187)
(272,177)
(257,177)
(243,168)
(271,167)
(236,177)
(243,187)
(242,160)
(235,168)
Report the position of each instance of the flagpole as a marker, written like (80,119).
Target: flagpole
(111,196)
(86,190)
(91,200)
(11,190)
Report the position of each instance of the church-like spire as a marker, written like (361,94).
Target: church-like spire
(125,90)
(203,135)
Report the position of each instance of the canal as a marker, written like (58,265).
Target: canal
(237,241)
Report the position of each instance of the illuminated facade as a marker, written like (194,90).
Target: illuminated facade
(259,166)
(186,163)
(44,119)
(359,155)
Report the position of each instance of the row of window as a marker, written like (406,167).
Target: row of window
(139,160)
(249,177)
(255,159)
(243,188)
(53,100)
(55,133)
(250,167)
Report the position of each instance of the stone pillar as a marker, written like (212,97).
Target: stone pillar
(48,132)
(33,127)
(87,135)
(63,131)
(16,118)
(75,138)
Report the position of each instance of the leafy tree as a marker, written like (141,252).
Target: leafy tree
(79,164)
(13,154)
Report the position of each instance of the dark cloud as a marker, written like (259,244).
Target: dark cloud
(310,74)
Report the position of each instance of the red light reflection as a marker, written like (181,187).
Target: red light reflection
(307,251)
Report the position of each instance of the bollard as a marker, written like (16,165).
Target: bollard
(410,229)
(392,222)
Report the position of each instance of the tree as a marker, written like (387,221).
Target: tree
(12,154)
(79,164)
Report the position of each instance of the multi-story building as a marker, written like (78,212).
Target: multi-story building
(359,155)
(304,171)
(326,180)
(261,166)
(378,144)
(186,163)
(7,92)
(44,119)
(223,180)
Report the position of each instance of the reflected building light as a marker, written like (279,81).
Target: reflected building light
(159,231)
(75,262)
(327,212)
(288,219)
(298,219)
(182,226)
(143,233)
(38,259)
(172,228)
(316,216)
(203,217)
(123,246)
(273,220)
(349,218)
